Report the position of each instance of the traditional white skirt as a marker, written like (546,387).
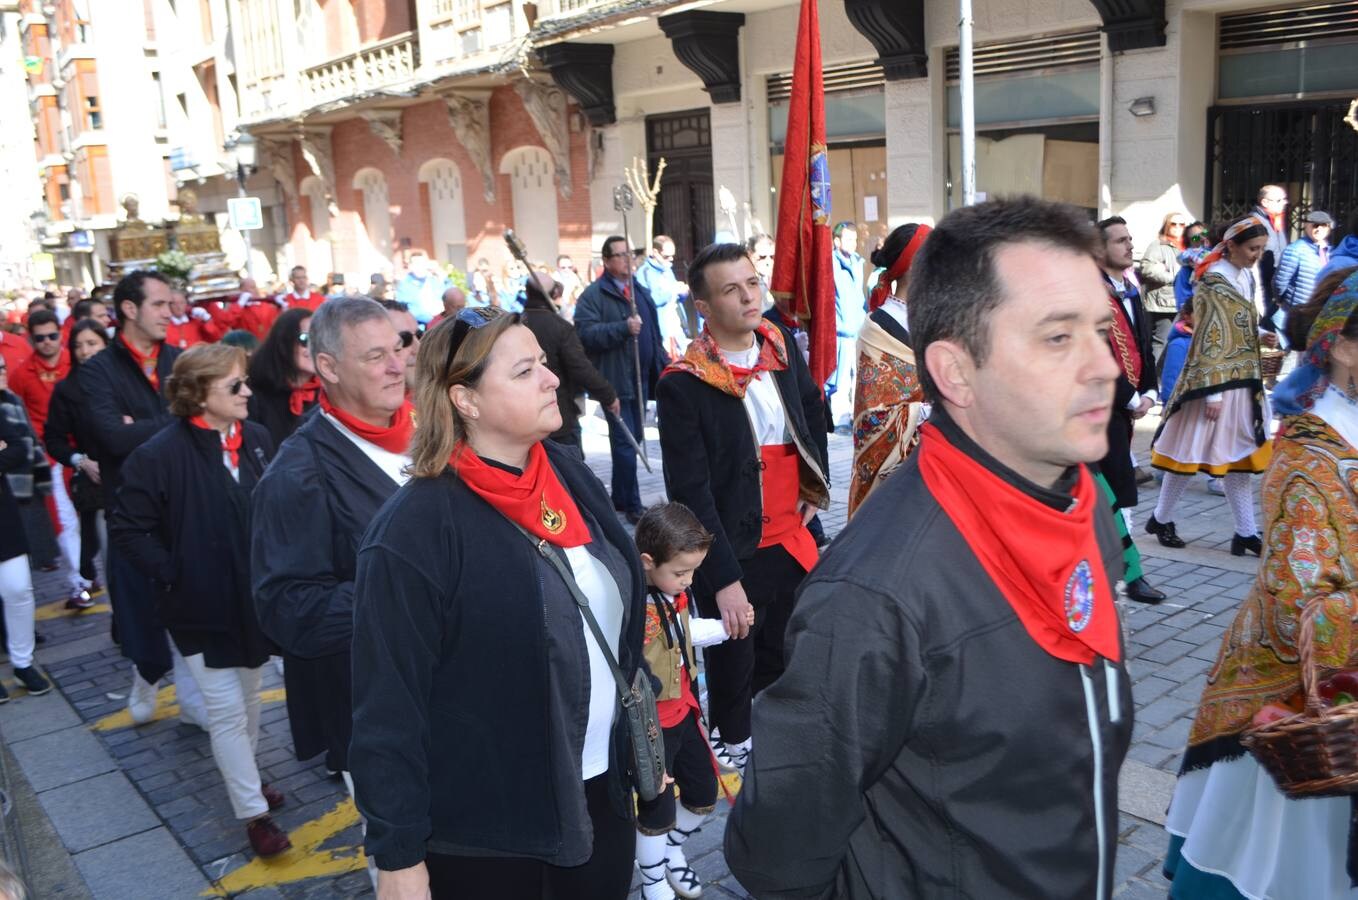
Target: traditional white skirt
(1189,440)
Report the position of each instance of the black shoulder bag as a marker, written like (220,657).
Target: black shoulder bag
(638,700)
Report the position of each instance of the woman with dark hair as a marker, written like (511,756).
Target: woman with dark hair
(70,438)
(888,403)
(1233,834)
(282,375)
(1216,421)
(183,520)
(490,750)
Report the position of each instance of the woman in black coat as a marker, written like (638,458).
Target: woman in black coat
(282,378)
(489,751)
(70,439)
(183,519)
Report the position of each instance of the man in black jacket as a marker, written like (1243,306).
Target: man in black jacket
(955,707)
(1130,340)
(311,508)
(739,436)
(608,328)
(566,358)
(124,389)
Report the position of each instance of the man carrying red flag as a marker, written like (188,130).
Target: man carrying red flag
(955,707)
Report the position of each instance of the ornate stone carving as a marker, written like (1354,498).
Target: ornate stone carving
(896,29)
(585,71)
(1132,24)
(319,156)
(706,43)
(278,160)
(546,106)
(386,124)
(469,117)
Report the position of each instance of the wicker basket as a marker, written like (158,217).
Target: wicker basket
(1270,362)
(1315,752)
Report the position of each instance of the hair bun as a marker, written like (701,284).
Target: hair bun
(878,260)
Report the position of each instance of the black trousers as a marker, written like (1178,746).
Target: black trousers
(688,760)
(607,875)
(89,544)
(1160,326)
(739,669)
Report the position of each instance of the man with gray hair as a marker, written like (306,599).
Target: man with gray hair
(314,503)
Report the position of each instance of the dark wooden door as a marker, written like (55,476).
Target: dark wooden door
(686,208)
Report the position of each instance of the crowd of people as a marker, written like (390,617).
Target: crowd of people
(390,494)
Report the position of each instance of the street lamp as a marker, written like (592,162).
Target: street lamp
(240,151)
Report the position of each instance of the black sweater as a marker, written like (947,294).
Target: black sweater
(471,678)
(566,358)
(69,428)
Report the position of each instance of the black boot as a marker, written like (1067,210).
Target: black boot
(1243,542)
(1141,591)
(1164,533)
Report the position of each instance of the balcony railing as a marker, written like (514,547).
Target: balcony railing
(381,65)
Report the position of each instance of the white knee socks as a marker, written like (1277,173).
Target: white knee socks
(1241,498)
(1171,489)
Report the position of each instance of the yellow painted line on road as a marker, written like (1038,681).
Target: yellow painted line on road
(305,860)
(58,610)
(167,707)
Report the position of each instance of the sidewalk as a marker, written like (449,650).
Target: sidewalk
(142,814)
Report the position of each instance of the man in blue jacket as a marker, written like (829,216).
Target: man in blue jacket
(657,276)
(1297,272)
(613,312)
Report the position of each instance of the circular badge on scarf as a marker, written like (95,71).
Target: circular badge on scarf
(1080,597)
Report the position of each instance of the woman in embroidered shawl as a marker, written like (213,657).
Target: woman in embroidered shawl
(888,405)
(1232,832)
(1215,419)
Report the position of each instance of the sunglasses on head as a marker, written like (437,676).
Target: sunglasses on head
(467,321)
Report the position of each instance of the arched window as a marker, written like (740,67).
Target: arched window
(446,213)
(530,174)
(376,255)
(319,254)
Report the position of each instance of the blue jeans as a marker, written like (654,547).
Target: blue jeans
(626,493)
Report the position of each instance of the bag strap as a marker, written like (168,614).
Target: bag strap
(544,548)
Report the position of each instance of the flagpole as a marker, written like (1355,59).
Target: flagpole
(968,100)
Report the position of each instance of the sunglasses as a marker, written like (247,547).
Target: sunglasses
(410,337)
(303,337)
(39,338)
(467,321)
(1198,238)
(234,388)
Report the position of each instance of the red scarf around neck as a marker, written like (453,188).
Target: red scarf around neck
(147,362)
(536,500)
(704,360)
(231,440)
(303,396)
(393,438)
(1045,562)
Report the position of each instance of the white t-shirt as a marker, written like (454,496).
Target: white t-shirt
(762,403)
(896,308)
(598,586)
(393,464)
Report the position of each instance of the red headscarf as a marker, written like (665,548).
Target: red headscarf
(898,268)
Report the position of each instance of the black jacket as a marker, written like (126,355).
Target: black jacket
(566,358)
(601,316)
(310,510)
(464,743)
(1116,464)
(70,427)
(184,522)
(17,456)
(273,410)
(114,387)
(938,750)
(712,463)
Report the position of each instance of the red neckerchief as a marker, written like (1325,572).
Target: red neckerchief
(146,362)
(535,500)
(898,268)
(704,360)
(393,438)
(1122,337)
(231,438)
(1045,562)
(302,397)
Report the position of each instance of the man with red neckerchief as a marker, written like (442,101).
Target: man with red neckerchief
(743,448)
(331,476)
(955,707)
(301,293)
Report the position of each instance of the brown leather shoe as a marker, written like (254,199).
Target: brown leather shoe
(273,796)
(266,838)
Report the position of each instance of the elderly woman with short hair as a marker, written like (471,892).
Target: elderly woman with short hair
(183,519)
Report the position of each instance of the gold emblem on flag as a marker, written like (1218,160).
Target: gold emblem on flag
(552,520)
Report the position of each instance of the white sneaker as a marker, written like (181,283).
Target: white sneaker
(141,699)
(654,886)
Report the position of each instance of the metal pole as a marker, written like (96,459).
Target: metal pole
(623,199)
(968,99)
(245,233)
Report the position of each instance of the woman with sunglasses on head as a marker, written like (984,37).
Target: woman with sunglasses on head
(1197,244)
(183,520)
(489,753)
(70,439)
(283,380)
(1158,268)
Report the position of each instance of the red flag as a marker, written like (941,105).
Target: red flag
(803,280)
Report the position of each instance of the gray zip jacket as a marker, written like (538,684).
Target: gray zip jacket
(919,743)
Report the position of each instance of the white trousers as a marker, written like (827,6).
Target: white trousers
(69,539)
(16,589)
(231,697)
(363,828)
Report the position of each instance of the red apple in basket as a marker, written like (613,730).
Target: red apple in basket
(1340,688)
(1271,712)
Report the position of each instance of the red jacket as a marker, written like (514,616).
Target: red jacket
(13,350)
(258,317)
(33,381)
(310,301)
(185,334)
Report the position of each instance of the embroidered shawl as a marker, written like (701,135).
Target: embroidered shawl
(1224,353)
(887,409)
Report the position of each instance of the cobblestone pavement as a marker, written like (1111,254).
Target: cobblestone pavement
(140,807)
